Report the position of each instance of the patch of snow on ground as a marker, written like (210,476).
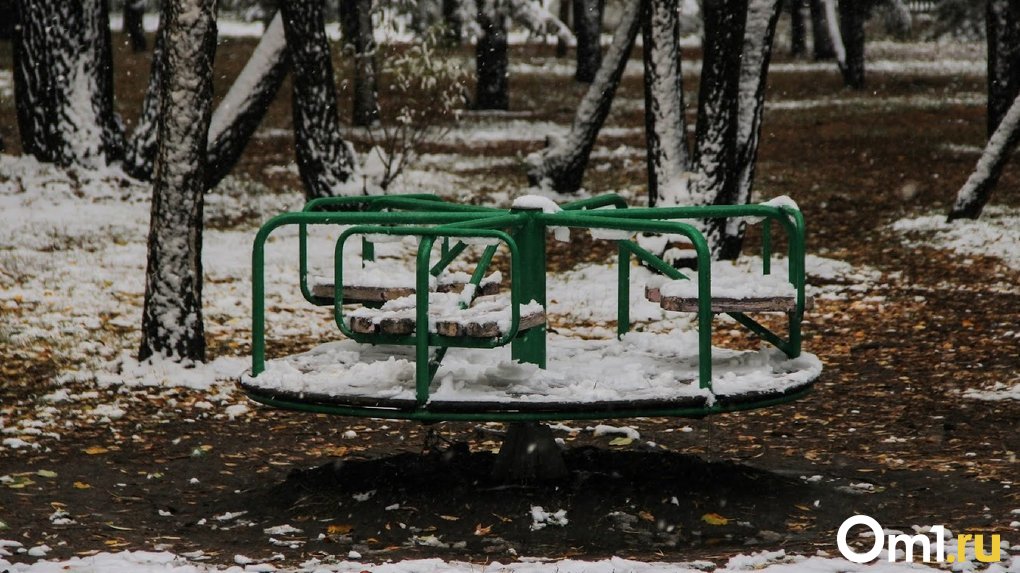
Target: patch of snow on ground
(998,391)
(764,562)
(995,234)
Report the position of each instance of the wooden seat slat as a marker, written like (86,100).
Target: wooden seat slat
(756,304)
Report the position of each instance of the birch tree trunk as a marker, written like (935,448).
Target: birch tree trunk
(134,13)
(246,103)
(172,316)
(64,68)
(491,58)
(359,42)
(140,155)
(798,32)
(974,195)
(1003,26)
(564,15)
(759,33)
(561,165)
(325,160)
(1003,36)
(665,123)
(715,151)
(852,16)
(822,43)
(235,119)
(588,30)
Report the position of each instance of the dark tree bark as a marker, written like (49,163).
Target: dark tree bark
(588,30)
(172,316)
(715,150)
(759,33)
(242,109)
(32,82)
(1003,37)
(665,122)
(325,160)
(852,16)
(798,31)
(452,22)
(562,46)
(822,42)
(235,119)
(64,66)
(8,19)
(134,12)
(561,165)
(359,42)
(491,58)
(1003,26)
(140,155)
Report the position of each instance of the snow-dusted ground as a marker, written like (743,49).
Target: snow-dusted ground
(995,234)
(762,562)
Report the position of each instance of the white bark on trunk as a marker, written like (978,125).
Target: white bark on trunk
(561,165)
(974,194)
(665,122)
(172,315)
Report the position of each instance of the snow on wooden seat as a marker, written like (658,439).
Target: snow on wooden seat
(487,317)
(734,289)
(376,287)
(642,370)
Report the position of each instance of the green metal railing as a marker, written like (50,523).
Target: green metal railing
(523,233)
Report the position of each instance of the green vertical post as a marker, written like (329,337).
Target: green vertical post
(530,239)
(623,291)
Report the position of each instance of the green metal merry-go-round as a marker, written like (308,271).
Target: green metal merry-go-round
(430,344)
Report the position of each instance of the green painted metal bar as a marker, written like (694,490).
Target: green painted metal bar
(422,378)
(766,334)
(448,255)
(622,290)
(766,247)
(701,249)
(530,239)
(476,278)
(653,261)
(596,202)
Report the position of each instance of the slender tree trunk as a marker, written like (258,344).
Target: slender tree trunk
(561,43)
(8,19)
(359,42)
(140,155)
(588,30)
(715,151)
(1003,27)
(65,67)
(798,31)
(491,57)
(822,42)
(665,122)
(561,165)
(235,119)
(852,16)
(172,316)
(452,22)
(759,33)
(32,81)
(242,109)
(325,160)
(974,195)
(1003,37)
(134,13)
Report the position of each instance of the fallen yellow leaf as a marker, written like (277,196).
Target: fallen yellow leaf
(621,442)
(81,485)
(95,450)
(714,519)
(339,529)
(480,531)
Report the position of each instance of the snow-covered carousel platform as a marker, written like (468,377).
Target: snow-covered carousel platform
(653,374)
